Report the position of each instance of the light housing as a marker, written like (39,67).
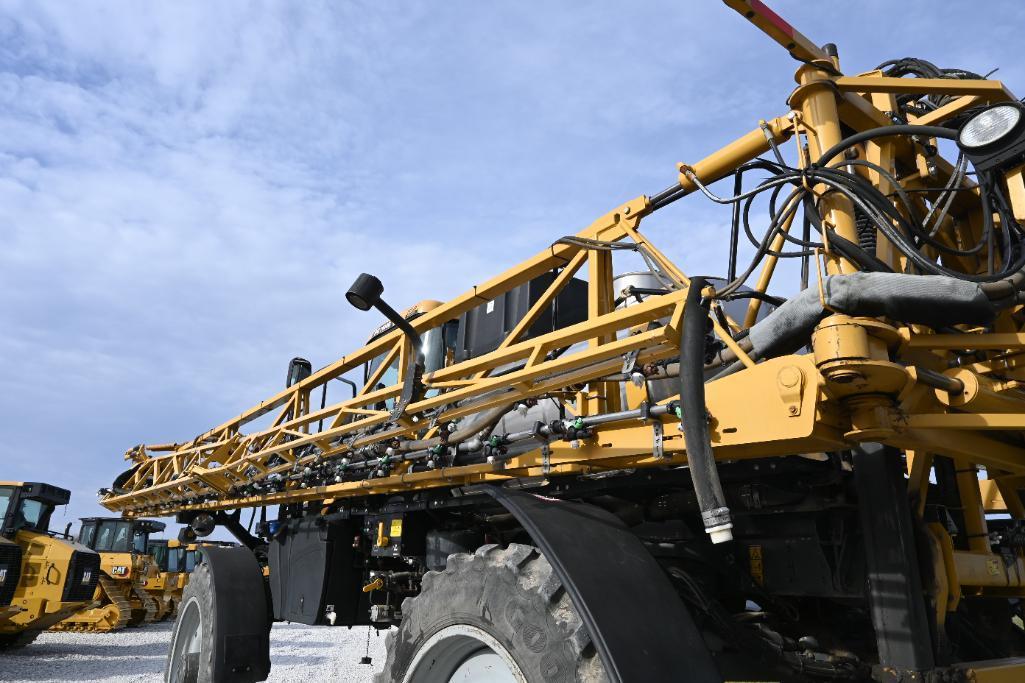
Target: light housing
(365,292)
(994,138)
(987,127)
(298,370)
(203,525)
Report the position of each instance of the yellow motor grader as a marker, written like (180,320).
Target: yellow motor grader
(597,467)
(43,577)
(120,598)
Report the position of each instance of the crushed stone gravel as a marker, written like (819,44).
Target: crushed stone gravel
(298,654)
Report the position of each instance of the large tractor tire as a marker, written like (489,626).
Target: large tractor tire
(498,615)
(222,631)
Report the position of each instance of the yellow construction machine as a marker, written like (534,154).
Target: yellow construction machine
(175,560)
(43,577)
(182,557)
(120,598)
(166,584)
(597,467)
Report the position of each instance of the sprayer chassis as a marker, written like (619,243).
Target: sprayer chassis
(874,387)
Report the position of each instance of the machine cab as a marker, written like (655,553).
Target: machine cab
(176,553)
(161,554)
(28,506)
(117,535)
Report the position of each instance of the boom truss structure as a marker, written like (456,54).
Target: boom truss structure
(210,471)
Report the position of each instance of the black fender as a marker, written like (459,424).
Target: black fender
(242,616)
(637,622)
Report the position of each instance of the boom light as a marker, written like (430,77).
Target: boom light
(995,137)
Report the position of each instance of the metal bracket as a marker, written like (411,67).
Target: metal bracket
(546,457)
(630,360)
(656,448)
(790,385)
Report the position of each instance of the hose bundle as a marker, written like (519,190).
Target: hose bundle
(899,224)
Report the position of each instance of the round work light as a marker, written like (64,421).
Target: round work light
(994,138)
(989,126)
(365,292)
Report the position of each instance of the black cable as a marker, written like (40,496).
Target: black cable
(777,221)
(896,218)
(738,185)
(675,192)
(754,294)
(853,252)
(805,260)
(666,279)
(909,249)
(882,132)
(921,68)
(911,222)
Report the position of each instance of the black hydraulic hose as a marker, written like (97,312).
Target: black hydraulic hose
(738,187)
(666,196)
(791,204)
(352,385)
(754,294)
(805,262)
(885,131)
(853,252)
(714,513)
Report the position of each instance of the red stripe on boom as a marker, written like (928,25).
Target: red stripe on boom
(773,18)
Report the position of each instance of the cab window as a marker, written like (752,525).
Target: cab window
(159,553)
(105,537)
(390,376)
(113,537)
(87,535)
(435,345)
(139,541)
(29,515)
(434,349)
(120,537)
(6,493)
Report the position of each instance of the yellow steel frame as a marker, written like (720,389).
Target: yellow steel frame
(794,404)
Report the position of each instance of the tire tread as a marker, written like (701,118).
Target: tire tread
(533,577)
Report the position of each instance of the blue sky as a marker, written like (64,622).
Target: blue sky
(187,189)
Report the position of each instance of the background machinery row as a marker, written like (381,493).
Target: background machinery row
(111,576)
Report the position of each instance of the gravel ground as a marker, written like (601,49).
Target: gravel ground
(298,653)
